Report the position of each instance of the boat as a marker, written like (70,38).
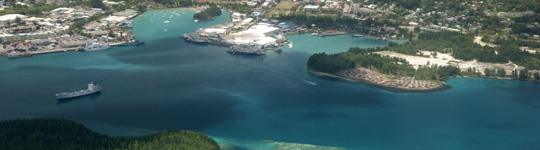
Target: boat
(195,20)
(165,30)
(166,21)
(384,38)
(92,88)
(97,46)
(132,43)
(18,55)
(314,34)
(358,35)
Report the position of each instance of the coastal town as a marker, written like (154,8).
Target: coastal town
(158,72)
(65,29)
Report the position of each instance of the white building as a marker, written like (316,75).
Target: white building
(311,7)
(10,18)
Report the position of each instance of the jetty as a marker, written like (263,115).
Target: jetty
(331,32)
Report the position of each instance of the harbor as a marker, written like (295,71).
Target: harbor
(24,36)
(246,36)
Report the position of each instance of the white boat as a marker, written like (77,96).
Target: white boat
(96,47)
(314,34)
(166,21)
(165,30)
(92,88)
(195,20)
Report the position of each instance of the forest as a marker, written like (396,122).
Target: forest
(360,57)
(208,14)
(459,45)
(44,133)
(462,47)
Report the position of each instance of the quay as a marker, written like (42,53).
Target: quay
(247,36)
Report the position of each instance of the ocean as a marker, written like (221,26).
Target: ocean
(169,84)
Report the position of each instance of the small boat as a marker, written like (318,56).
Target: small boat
(314,34)
(358,35)
(165,30)
(92,88)
(195,20)
(166,21)
(384,38)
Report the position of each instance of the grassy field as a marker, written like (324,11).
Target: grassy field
(284,5)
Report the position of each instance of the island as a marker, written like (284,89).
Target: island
(45,133)
(421,64)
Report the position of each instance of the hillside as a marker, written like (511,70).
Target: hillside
(64,134)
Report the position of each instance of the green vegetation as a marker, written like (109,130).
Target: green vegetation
(64,134)
(459,45)
(208,14)
(462,47)
(235,7)
(284,5)
(358,57)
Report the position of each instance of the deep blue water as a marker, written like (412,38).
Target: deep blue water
(169,84)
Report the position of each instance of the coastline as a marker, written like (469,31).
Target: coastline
(390,87)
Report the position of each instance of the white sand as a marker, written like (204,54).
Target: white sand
(444,59)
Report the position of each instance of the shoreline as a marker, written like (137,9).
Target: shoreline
(441,87)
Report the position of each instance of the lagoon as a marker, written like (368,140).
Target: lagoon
(169,84)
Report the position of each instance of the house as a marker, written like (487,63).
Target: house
(68,44)
(413,23)
(311,7)
(10,18)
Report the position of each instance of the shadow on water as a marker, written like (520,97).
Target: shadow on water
(80,98)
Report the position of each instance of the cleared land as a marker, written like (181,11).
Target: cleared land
(443,59)
(284,5)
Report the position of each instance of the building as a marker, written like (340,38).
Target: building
(10,18)
(69,44)
(311,7)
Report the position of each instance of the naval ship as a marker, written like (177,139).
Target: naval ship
(92,88)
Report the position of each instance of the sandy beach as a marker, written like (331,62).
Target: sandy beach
(445,59)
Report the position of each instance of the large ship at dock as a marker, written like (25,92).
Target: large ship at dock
(247,49)
(18,55)
(92,88)
(132,43)
(96,46)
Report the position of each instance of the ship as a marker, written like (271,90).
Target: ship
(18,55)
(358,35)
(92,88)
(247,49)
(97,46)
(132,43)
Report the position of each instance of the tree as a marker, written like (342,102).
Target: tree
(18,21)
(111,34)
(417,29)
(97,4)
(524,74)
(141,8)
(487,72)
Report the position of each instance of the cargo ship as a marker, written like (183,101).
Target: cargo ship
(92,88)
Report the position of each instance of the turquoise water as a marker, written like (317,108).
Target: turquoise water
(169,84)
